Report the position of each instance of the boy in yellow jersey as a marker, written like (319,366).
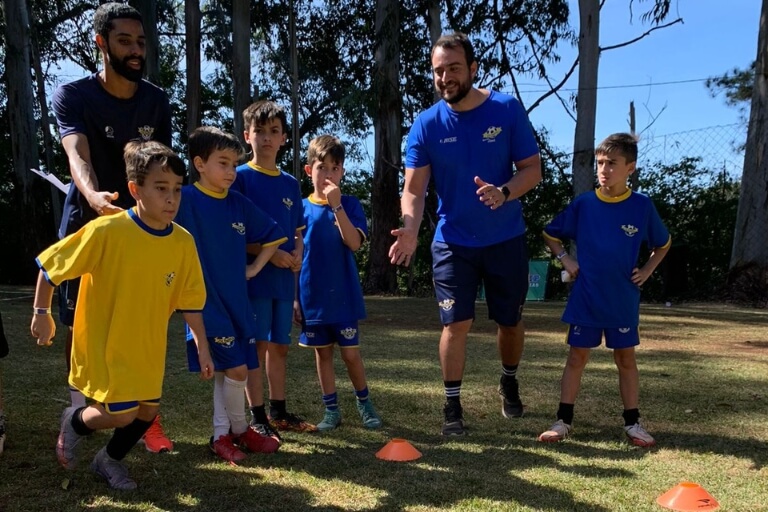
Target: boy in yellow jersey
(137,267)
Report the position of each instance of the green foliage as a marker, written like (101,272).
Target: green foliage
(737,85)
(698,206)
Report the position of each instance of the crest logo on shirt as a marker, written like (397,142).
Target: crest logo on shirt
(169,278)
(491,133)
(348,333)
(287,202)
(239,227)
(629,230)
(447,304)
(224,341)
(109,132)
(623,330)
(146,132)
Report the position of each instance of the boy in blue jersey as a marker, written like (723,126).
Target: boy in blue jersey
(330,296)
(273,291)
(608,226)
(136,267)
(224,223)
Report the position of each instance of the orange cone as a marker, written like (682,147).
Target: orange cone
(688,497)
(398,450)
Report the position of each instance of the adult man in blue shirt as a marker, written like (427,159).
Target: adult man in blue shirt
(479,147)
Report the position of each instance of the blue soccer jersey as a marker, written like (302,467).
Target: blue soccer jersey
(608,232)
(222,225)
(329,285)
(85,107)
(484,142)
(279,195)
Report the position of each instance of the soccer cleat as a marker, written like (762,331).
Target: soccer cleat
(225,448)
(511,406)
(368,414)
(66,445)
(2,433)
(557,432)
(155,440)
(254,442)
(639,436)
(113,471)
(454,419)
(290,422)
(331,420)
(265,429)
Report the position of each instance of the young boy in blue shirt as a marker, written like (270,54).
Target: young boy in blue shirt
(136,267)
(330,296)
(273,291)
(224,223)
(608,226)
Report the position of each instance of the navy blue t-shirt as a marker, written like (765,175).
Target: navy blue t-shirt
(85,107)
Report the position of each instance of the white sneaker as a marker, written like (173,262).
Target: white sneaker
(639,436)
(557,432)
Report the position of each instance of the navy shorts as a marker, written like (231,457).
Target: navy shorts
(346,335)
(67,301)
(274,320)
(591,337)
(227,352)
(458,270)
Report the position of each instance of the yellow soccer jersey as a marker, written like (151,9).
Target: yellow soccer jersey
(133,279)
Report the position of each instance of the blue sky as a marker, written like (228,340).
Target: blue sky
(715,37)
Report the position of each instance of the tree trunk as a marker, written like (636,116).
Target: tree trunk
(23,134)
(381,276)
(749,247)
(192,26)
(241,60)
(148,10)
(586,101)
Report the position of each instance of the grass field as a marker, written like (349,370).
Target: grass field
(704,391)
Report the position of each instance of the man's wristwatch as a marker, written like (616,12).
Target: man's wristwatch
(505,191)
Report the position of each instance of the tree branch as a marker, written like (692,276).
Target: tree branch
(552,89)
(647,33)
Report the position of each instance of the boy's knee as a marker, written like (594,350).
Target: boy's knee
(350,355)
(237,373)
(577,358)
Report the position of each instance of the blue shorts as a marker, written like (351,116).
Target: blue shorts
(458,271)
(274,319)
(227,352)
(345,334)
(591,337)
(67,301)
(124,407)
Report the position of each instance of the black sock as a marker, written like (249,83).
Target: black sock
(277,408)
(565,413)
(452,390)
(631,416)
(509,370)
(78,425)
(126,437)
(259,416)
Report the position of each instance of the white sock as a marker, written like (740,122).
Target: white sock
(234,401)
(77,398)
(220,419)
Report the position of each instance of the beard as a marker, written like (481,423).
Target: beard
(462,89)
(122,68)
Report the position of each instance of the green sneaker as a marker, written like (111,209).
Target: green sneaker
(331,420)
(368,414)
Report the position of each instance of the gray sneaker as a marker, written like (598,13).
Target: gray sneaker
(112,471)
(66,445)
(368,414)
(331,420)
